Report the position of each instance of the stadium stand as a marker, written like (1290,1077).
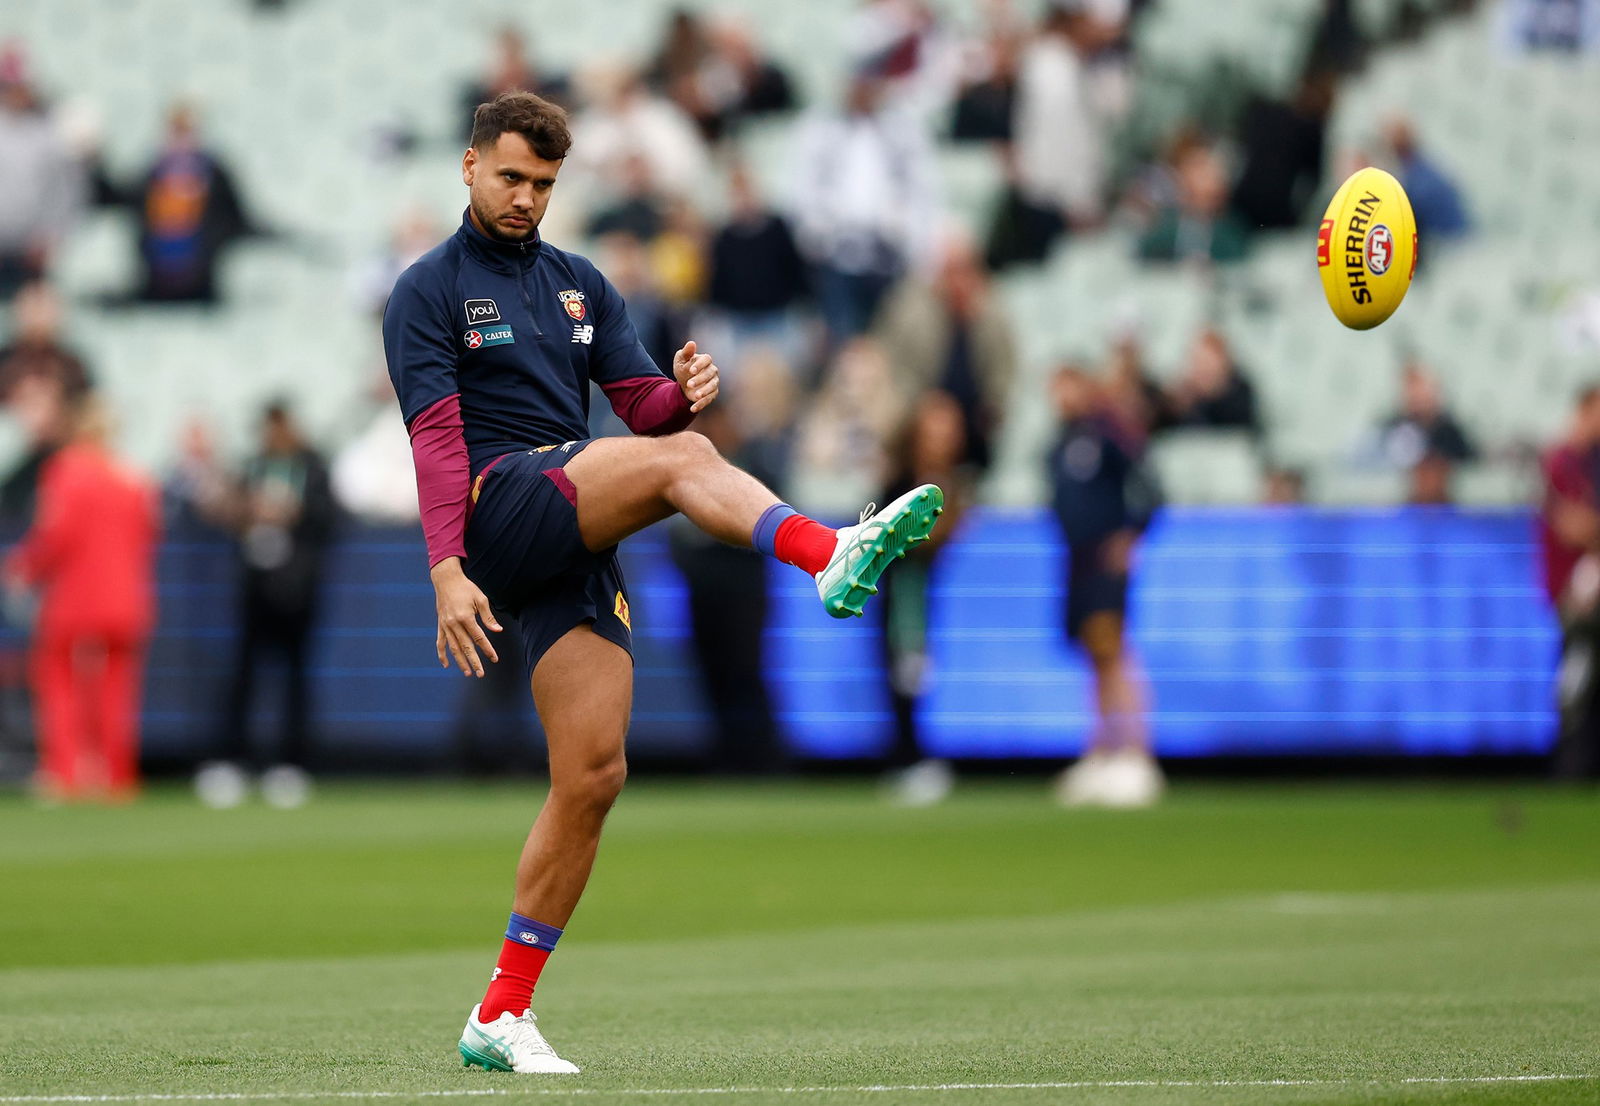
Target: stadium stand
(306,103)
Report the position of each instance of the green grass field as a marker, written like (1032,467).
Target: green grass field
(806,944)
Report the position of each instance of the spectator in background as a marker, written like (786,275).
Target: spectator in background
(41,378)
(373,476)
(626,119)
(716,74)
(283,515)
(1569,531)
(42,186)
(764,87)
(1138,402)
(197,490)
(1435,199)
(953,335)
(863,203)
(636,208)
(1104,501)
(930,448)
(91,552)
(1197,227)
(1213,392)
(189,212)
(1338,44)
(415,233)
(986,96)
(685,48)
(662,327)
(1422,427)
(728,613)
(842,435)
(1059,161)
(679,255)
(36,349)
(1283,147)
(901,41)
(757,274)
(511,69)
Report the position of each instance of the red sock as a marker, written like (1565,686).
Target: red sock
(804,543)
(511,987)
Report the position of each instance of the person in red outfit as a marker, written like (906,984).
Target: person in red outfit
(91,555)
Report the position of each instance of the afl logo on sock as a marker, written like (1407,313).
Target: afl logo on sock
(528,938)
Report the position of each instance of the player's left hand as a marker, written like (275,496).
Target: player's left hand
(697,376)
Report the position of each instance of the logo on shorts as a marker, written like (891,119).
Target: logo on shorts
(490,336)
(1380,249)
(572,300)
(482,311)
(621,611)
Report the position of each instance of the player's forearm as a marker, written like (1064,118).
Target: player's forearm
(439,451)
(650,405)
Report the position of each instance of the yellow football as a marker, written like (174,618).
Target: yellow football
(1367,249)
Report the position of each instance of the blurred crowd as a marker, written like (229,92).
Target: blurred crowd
(863,343)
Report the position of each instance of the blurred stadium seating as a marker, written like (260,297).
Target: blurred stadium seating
(289,96)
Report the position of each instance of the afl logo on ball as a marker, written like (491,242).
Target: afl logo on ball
(474,339)
(1379,249)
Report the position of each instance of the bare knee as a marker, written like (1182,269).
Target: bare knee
(1101,639)
(689,447)
(593,786)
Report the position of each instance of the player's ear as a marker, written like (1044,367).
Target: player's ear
(469,165)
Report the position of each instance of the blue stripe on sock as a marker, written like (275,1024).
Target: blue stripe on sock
(765,537)
(526,931)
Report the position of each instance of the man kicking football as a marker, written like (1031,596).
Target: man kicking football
(492,338)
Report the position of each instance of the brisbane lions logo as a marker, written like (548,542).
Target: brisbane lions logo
(572,300)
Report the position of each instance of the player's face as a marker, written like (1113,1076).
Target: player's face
(510,186)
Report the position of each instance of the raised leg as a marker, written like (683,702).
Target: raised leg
(625,484)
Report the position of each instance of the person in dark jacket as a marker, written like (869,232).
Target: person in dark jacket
(931,446)
(756,269)
(283,514)
(1104,500)
(1213,392)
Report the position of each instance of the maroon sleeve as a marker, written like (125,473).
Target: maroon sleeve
(439,450)
(649,404)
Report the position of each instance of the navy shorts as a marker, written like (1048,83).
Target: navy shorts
(1092,588)
(524,551)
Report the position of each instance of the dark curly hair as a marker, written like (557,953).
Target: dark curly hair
(542,123)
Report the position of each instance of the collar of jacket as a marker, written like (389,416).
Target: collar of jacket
(507,256)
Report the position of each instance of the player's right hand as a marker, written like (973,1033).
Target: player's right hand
(460,605)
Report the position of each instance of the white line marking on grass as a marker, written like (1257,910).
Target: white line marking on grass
(904,1088)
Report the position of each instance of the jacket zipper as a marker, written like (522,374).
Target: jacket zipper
(524,267)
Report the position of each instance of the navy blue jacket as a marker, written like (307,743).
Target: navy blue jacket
(491,347)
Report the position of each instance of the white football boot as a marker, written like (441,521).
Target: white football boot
(1128,779)
(862,552)
(510,1043)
